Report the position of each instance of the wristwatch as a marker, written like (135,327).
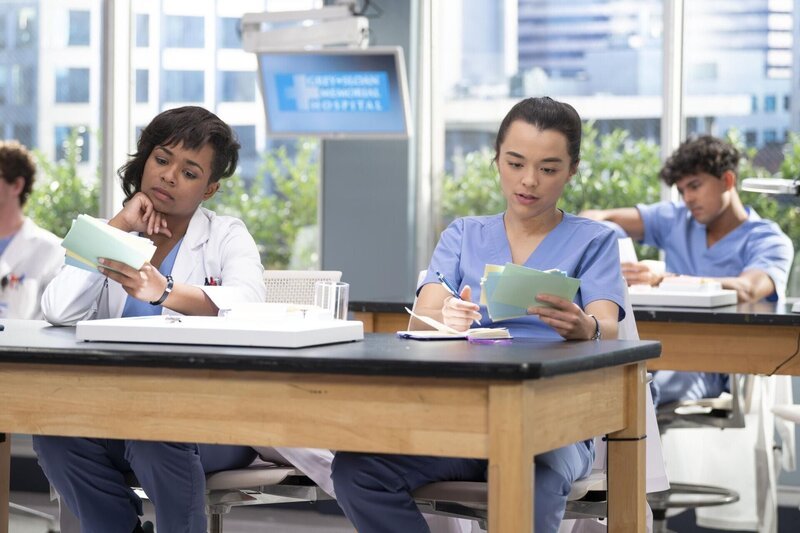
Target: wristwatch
(596,336)
(167,290)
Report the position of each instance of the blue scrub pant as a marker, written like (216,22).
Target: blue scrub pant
(375,490)
(89,474)
(670,386)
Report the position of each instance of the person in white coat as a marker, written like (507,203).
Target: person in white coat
(203,262)
(30,256)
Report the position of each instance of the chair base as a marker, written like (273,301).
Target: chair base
(686,496)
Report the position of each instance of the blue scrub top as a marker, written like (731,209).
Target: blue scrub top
(5,242)
(582,248)
(756,244)
(134,307)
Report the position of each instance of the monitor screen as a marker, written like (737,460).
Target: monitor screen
(335,92)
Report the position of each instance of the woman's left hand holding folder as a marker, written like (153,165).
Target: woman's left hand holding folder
(146,284)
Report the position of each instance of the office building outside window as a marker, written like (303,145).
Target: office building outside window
(79,28)
(183,86)
(142,30)
(26,27)
(72,85)
(237,86)
(184,32)
(229,33)
(62,135)
(142,85)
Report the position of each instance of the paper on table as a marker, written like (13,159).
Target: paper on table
(443,331)
(519,286)
(627,253)
(89,239)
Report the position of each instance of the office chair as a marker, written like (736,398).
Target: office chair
(295,286)
(587,498)
(726,411)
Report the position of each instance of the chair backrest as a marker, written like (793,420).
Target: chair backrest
(295,286)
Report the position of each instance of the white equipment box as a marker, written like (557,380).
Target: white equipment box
(221,331)
(655,296)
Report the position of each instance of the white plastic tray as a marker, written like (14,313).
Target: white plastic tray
(660,297)
(286,333)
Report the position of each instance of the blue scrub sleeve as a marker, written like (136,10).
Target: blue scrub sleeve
(658,220)
(600,272)
(446,256)
(772,252)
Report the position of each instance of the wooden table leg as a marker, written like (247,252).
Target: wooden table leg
(627,461)
(5,476)
(510,461)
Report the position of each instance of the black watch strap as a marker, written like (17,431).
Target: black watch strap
(596,336)
(167,290)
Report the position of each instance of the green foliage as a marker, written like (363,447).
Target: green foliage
(59,193)
(275,219)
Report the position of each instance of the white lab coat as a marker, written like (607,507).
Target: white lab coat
(214,246)
(37,254)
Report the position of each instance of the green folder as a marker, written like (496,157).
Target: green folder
(510,293)
(89,239)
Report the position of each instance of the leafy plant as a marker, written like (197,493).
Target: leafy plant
(59,193)
(275,218)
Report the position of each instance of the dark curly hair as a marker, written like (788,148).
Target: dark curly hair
(545,114)
(701,154)
(15,162)
(191,126)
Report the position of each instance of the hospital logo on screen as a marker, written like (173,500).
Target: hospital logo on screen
(346,92)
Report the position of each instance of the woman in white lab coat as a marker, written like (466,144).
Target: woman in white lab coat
(203,262)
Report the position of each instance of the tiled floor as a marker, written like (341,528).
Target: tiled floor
(266,519)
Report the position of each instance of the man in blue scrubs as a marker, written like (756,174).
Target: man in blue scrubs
(710,234)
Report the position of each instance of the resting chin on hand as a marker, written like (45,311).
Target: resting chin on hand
(139,214)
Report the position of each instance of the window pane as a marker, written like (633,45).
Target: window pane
(238,86)
(184,32)
(183,86)
(78,28)
(181,77)
(3,84)
(24,134)
(142,85)
(142,30)
(23,81)
(63,136)
(26,27)
(247,138)
(495,53)
(72,85)
(229,36)
(3,32)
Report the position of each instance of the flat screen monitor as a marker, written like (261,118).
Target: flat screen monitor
(348,93)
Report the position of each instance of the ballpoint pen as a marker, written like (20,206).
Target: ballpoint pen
(447,285)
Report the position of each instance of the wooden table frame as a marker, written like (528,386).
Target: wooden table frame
(739,348)
(507,422)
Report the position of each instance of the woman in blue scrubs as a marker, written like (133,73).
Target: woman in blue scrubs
(537,153)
